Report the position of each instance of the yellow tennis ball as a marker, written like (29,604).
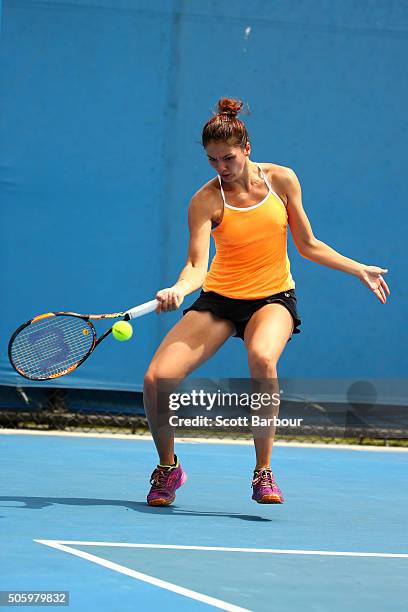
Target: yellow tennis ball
(122,330)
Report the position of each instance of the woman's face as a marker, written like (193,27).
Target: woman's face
(228,160)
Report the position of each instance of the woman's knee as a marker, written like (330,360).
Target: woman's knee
(150,380)
(153,377)
(262,363)
(158,378)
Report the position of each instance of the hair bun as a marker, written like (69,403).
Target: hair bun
(229,107)
(225,126)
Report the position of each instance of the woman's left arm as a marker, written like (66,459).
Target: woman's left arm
(316,250)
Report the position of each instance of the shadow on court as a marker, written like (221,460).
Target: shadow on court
(38,503)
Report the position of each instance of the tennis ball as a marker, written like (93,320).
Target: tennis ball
(122,330)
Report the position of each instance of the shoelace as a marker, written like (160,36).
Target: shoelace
(159,478)
(264,475)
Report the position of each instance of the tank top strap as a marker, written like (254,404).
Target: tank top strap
(270,186)
(266,180)
(222,190)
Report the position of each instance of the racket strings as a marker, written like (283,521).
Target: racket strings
(50,347)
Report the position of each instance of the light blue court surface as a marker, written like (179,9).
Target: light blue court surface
(73,517)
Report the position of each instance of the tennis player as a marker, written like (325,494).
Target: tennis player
(248,291)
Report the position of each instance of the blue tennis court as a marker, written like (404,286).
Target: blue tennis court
(74,518)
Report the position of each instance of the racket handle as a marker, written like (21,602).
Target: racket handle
(139,311)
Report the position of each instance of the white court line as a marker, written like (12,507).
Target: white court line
(275,551)
(169,586)
(185,440)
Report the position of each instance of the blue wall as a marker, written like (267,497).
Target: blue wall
(102,105)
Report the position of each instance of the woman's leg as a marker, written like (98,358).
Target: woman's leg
(195,338)
(265,337)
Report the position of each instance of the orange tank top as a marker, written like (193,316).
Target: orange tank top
(251,259)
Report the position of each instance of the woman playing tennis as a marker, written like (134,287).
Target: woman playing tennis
(248,291)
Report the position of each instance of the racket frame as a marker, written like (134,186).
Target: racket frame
(127,315)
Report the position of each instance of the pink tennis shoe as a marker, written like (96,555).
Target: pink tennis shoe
(165,480)
(265,489)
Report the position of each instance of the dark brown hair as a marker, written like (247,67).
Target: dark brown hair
(225,125)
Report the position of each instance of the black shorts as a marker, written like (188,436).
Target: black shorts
(240,311)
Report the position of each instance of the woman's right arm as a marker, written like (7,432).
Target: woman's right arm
(193,274)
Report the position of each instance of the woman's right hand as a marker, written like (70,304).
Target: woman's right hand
(169,299)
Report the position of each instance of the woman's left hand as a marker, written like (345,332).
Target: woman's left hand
(372,277)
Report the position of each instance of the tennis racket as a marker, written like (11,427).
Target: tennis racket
(56,343)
